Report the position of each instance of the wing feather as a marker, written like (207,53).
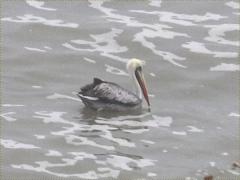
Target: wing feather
(111,92)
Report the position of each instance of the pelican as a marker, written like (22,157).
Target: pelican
(103,95)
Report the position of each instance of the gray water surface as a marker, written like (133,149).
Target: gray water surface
(52,48)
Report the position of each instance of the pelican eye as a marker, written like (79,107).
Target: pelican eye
(139,68)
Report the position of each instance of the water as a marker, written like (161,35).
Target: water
(52,48)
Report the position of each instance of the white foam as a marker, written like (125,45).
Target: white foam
(89,60)
(122,142)
(151,95)
(12,105)
(34,49)
(11,144)
(157,121)
(143,36)
(150,174)
(38,136)
(160,121)
(225,154)
(233,114)
(116,71)
(194,129)
(155,3)
(47,47)
(190,178)
(135,131)
(44,165)
(217,33)
(233,4)
(39,5)
(212,164)
(152,74)
(180,133)
(7,117)
(85,141)
(123,162)
(37,87)
(164,151)
(109,12)
(198,47)
(29,18)
(82,155)
(53,153)
(225,67)
(50,117)
(147,141)
(182,19)
(104,43)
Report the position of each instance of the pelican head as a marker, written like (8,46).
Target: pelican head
(135,67)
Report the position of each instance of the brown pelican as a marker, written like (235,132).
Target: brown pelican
(103,95)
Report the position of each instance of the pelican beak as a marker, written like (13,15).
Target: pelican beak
(141,81)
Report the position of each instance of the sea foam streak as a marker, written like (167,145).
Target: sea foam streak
(29,18)
(155,3)
(114,70)
(142,37)
(11,144)
(217,32)
(233,114)
(182,19)
(105,44)
(12,105)
(233,4)
(34,49)
(198,47)
(39,5)
(122,162)
(7,117)
(157,121)
(225,67)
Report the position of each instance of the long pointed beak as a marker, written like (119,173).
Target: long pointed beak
(142,83)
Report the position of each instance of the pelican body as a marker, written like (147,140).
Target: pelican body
(103,95)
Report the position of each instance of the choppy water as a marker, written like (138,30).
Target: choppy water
(52,48)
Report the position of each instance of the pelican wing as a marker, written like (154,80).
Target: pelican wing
(113,93)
